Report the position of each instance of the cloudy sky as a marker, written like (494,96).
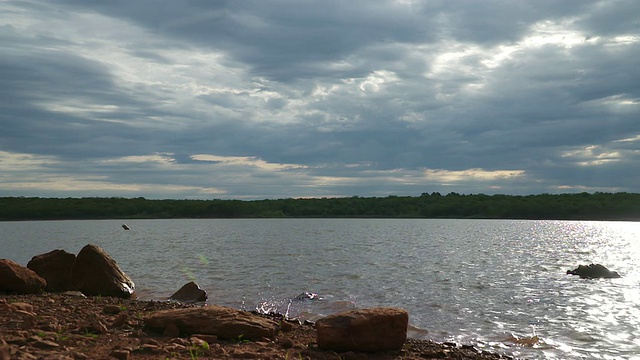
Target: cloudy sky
(289,98)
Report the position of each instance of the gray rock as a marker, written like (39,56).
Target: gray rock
(593,271)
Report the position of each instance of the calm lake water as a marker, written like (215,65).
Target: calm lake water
(480,282)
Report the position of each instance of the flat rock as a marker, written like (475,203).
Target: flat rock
(95,273)
(366,330)
(55,267)
(189,293)
(224,322)
(15,278)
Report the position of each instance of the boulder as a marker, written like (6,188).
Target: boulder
(593,271)
(15,278)
(189,293)
(95,273)
(366,330)
(55,267)
(224,322)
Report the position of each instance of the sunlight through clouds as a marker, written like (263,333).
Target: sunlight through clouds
(470,174)
(269,99)
(245,161)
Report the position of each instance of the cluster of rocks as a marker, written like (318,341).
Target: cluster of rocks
(92,272)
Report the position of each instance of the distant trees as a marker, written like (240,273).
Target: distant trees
(596,206)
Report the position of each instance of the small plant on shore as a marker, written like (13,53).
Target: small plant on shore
(89,334)
(241,339)
(286,357)
(196,350)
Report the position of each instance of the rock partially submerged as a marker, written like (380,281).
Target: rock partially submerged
(224,322)
(593,271)
(15,278)
(189,293)
(95,273)
(367,330)
(55,267)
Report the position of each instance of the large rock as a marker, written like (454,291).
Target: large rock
(376,329)
(189,293)
(593,271)
(55,267)
(15,278)
(224,322)
(95,273)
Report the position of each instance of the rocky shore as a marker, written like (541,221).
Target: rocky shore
(63,306)
(72,326)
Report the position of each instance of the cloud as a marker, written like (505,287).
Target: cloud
(274,99)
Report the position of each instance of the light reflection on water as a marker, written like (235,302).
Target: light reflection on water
(500,285)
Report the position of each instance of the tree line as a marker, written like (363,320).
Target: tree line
(582,206)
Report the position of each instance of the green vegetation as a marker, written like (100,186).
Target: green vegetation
(583,206)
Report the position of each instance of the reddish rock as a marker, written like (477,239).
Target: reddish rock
(95,273)
(367,330)
(15,278)
(55,267)
(190,293)
(224,322)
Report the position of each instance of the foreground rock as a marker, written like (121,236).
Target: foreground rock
(95,273)
(15,278)
(224,322)
(55,267)
(189,293)
(593,271)
(367,330)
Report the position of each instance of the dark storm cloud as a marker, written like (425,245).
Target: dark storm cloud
(258,99)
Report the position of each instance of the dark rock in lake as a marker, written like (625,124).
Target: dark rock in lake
(593,271)
(307,296)
(95,273)
(190,293)
(55,267)
(15,278)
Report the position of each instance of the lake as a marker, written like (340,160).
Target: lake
(480,282)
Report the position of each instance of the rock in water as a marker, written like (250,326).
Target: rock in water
(95,273)
(376,329)
(224,322)
(593,271)
(15,278)
(55,267)
(189,293)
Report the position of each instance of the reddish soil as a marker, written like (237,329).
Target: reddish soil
(63,326)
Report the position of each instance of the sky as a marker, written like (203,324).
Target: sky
(307,99)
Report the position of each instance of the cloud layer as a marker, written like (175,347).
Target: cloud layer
(276,99)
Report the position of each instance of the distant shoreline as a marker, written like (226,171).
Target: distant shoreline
(583,206)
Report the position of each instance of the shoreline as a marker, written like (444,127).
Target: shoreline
(68,326)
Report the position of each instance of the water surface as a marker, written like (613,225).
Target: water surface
(481,282)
